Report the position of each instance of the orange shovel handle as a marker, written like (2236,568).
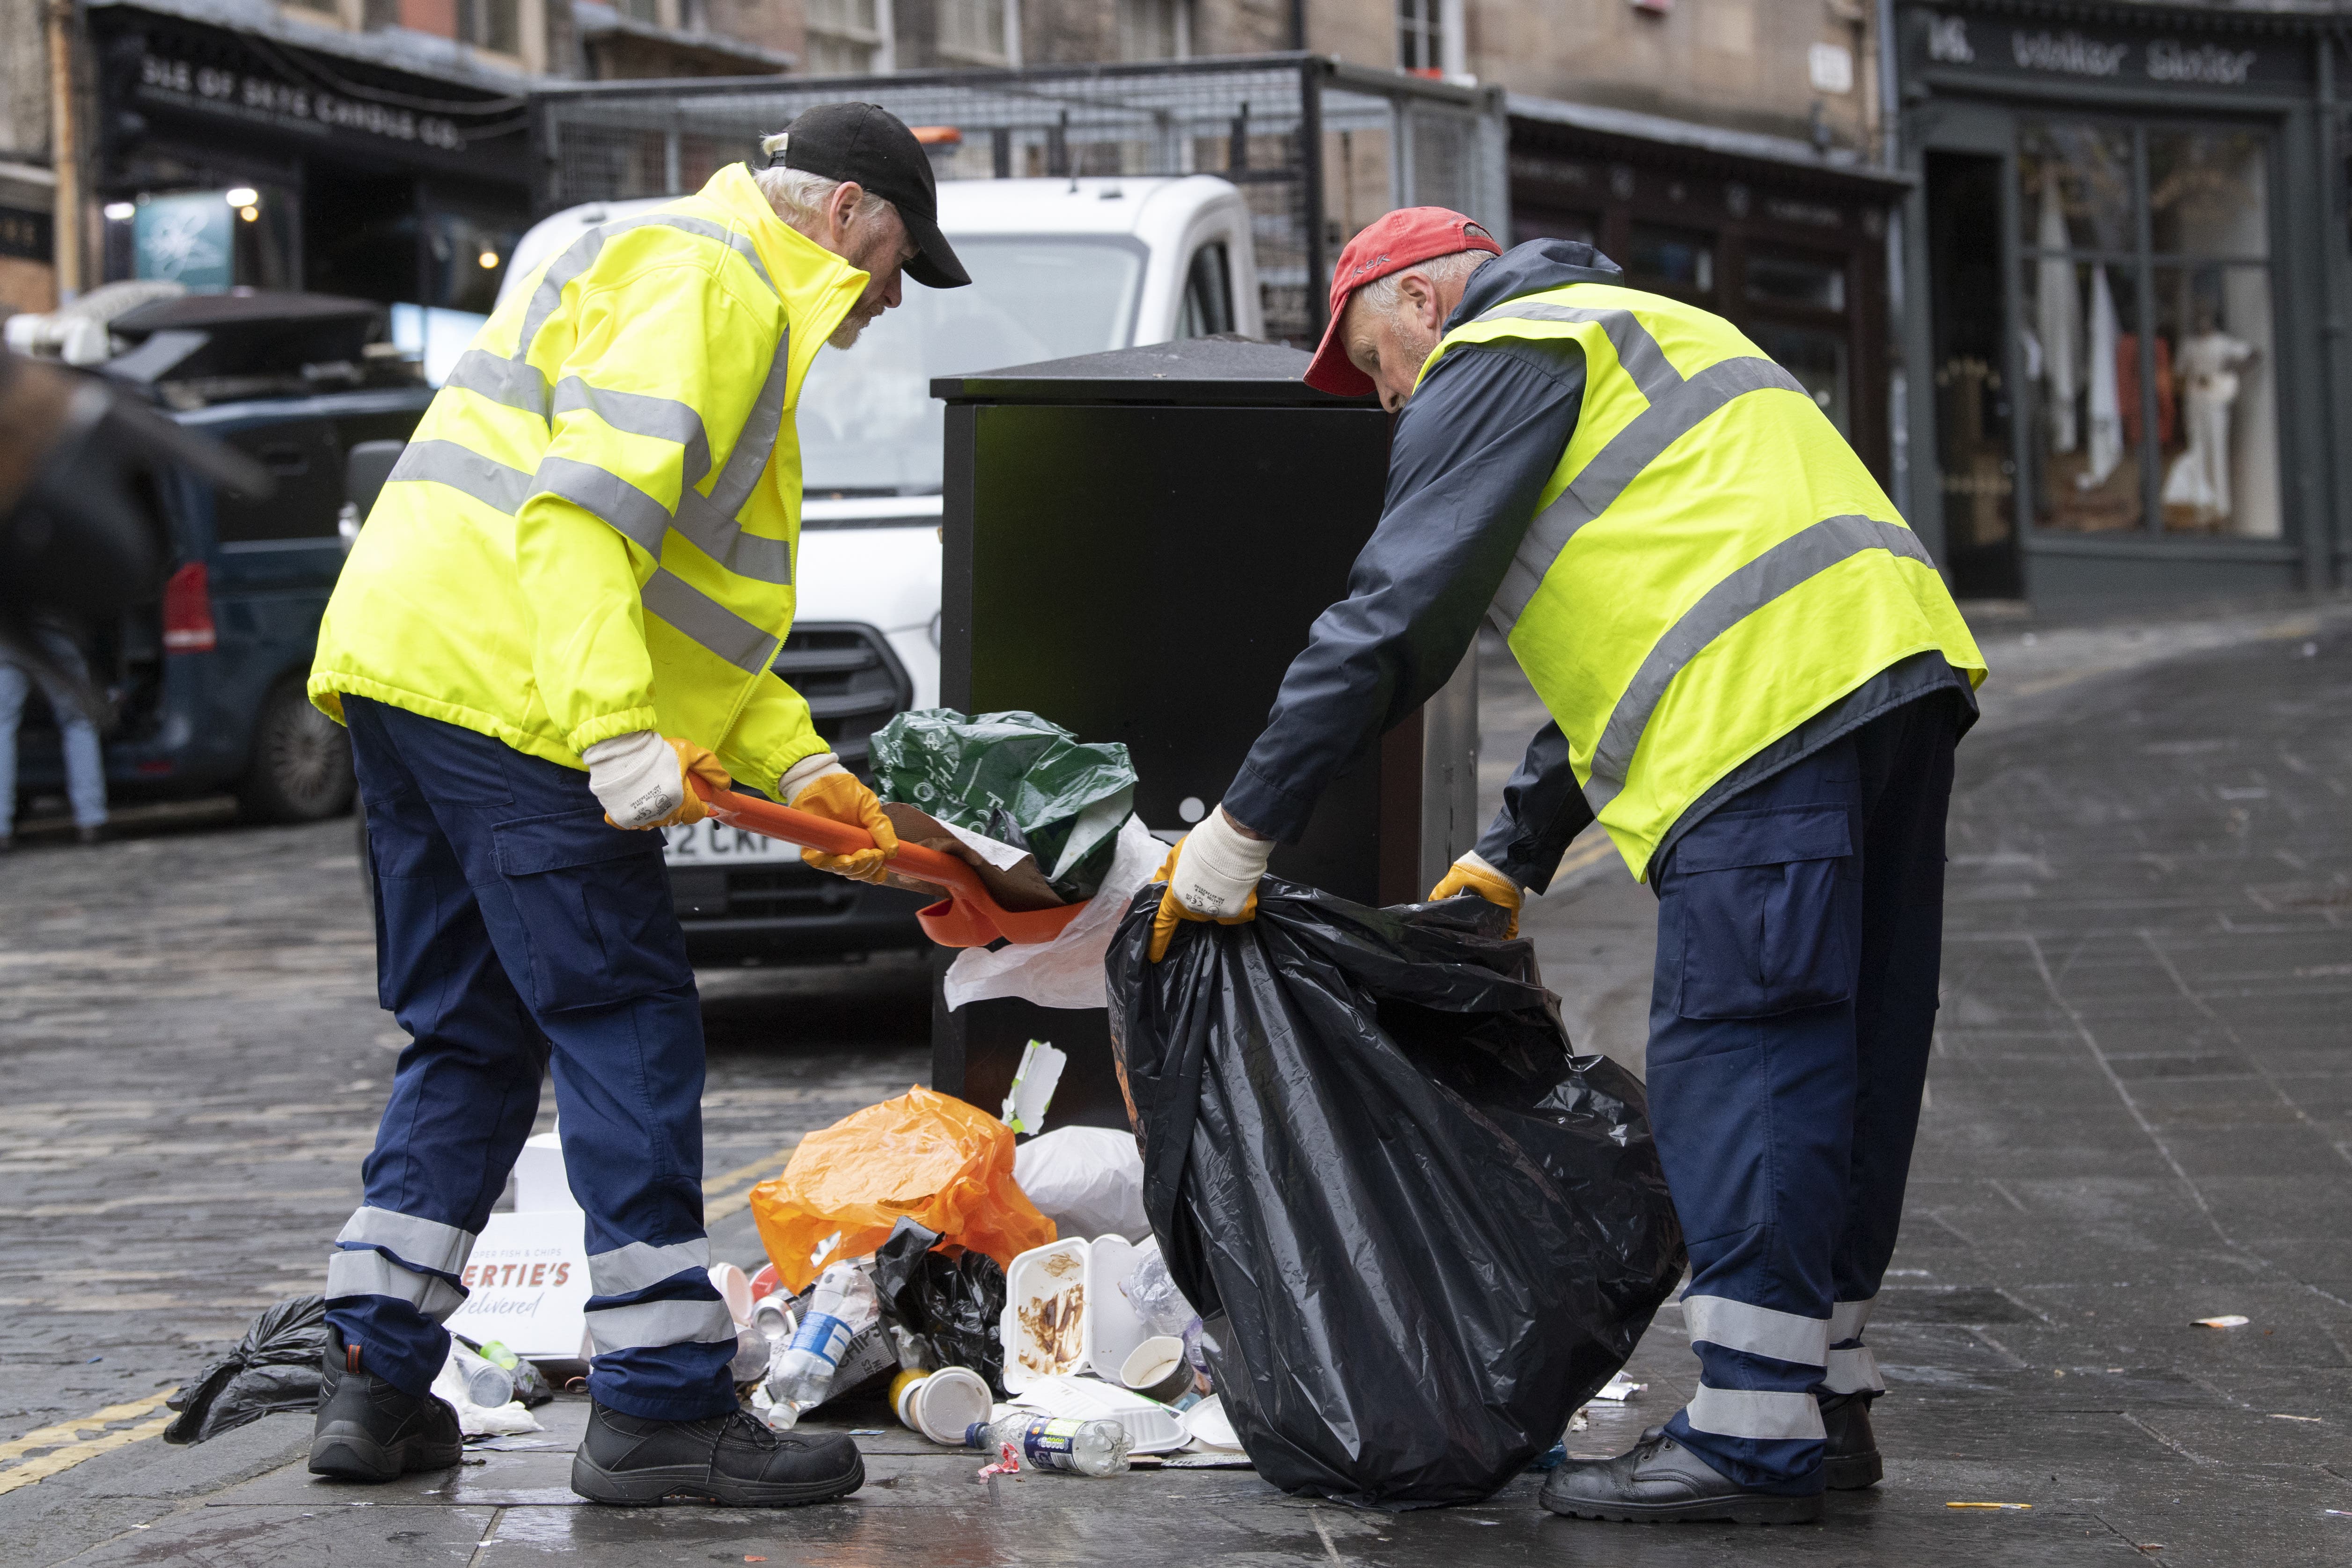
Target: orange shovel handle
(968,918)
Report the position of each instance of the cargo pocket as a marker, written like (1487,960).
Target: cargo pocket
(1768,904)
(595,904)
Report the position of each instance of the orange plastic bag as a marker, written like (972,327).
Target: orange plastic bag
(947,1164)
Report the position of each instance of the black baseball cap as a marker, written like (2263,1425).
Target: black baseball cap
(867,143)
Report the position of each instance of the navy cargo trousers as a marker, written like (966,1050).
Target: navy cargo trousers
(1799,935)
(517,930)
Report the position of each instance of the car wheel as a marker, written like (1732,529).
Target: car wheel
(301,768)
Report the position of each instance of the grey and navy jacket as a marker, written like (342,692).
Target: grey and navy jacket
(1473,450)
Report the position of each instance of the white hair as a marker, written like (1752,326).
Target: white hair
(799,197)
(1382,294)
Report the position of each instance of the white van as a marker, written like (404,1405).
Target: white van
(1059,267)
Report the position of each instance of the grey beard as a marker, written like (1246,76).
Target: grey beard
(845,334)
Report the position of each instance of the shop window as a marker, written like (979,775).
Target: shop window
(1672,259)
(844,38)
(1816,356)
(1548,223)
(2148,342)
(1779,278)
(465,258)
(1975,458)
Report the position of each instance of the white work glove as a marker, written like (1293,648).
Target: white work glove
(636,778)
(1218,868)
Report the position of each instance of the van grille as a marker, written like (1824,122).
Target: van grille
(853,681)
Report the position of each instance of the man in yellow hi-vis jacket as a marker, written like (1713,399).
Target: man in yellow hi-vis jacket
(565,603)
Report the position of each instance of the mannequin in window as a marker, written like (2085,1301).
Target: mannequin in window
(2208,366)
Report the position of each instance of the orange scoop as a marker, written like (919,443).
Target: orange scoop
(967,917)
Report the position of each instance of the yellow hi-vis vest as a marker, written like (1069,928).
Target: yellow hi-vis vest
(1709,566)
(592,531)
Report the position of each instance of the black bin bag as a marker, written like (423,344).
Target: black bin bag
(1431,1230)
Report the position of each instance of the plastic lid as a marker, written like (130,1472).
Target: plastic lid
(951,1400)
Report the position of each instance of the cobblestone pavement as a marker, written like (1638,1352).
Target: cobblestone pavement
(2140,1114)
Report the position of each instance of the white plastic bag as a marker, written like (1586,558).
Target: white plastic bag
(1066,971)
(1087,1180)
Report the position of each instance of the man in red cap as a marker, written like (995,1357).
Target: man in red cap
(1756,680)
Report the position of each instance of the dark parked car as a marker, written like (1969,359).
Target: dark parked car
(205,686)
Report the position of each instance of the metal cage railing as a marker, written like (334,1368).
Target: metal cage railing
(1317,147)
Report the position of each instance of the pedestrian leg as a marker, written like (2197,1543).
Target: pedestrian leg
(1906,772)
(463,1092)
(1751,1086)
(14,685)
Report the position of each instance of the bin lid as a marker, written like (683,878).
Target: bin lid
(1220,371)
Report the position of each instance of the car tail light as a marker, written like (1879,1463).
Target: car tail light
(188,611)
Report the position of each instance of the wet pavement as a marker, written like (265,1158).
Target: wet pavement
(2140,1114)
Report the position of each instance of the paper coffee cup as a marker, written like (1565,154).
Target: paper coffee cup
(905,1389)
(1157,1369)
(948,1402)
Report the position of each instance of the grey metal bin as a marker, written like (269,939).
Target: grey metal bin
(1137,543)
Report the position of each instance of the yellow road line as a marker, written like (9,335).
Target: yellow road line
(1577,860)
(66,1431)
(66,1457)
(67,1449)
(758,1170)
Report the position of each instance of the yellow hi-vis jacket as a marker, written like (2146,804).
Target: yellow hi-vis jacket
(1709,566)
(592,531)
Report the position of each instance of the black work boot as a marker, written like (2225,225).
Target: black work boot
(369,1431)
(1661,1482)
(1853,1462)
(731,1459)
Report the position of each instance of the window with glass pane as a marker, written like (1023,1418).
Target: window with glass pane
(1816,357)
(1146,29)
(1783,280)
(1674,258)
(2148,339)
(973,29)
(843,38)
(1421,35)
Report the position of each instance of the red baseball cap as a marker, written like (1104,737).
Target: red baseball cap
(1406,237)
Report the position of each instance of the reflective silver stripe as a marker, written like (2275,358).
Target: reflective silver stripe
(427,1244)
(639,413)
(703,619)
(1851,1371)
(1847,1319)
(367,1272)
(509,381)
(651,1323)
(725,541)
(1637,350)
(757,443)
(640,1264)
(1681,410)
(1794,561)
(1754,1412)
(580,254)
(632,513)
(487,480)
(1758,1330)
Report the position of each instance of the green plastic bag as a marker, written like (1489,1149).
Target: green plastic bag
(1016,778)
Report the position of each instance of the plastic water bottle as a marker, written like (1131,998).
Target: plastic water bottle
(1066,1443)
(844,1306)
(488,1385)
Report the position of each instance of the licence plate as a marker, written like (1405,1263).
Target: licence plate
(712,843)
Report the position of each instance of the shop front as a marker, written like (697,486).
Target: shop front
(231,158)
(1789,245)
(2130,247)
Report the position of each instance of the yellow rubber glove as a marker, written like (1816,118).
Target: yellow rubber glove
(1471,874)
(1163,924)
(836,795)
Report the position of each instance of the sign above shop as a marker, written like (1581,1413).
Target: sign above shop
(1946,40)
(223,78)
